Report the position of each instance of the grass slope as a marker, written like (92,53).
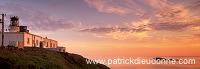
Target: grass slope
(37,58)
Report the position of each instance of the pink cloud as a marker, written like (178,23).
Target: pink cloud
(36,19)
(163,15)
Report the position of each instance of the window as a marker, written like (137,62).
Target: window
(37,42)
(28,40)
(47,44)
(51,45)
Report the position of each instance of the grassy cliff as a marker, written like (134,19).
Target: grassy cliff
(37,58)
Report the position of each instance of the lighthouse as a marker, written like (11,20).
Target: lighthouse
(19,36)
(14,24)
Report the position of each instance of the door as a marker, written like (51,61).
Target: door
(41,44)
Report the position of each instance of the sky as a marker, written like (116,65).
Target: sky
(113,28)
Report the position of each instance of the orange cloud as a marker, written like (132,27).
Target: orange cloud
(162,16)
(112,6)
(117,32)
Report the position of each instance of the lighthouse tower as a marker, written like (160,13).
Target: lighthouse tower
(14,24)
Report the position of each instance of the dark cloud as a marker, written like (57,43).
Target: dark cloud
(175,27)
(197,35)
(174,18)
(36,19)
(103,30)
(169,26)
(194,5)
(99,30)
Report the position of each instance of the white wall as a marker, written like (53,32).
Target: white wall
(48,43)
(35,40)
(11,36)
(29,40)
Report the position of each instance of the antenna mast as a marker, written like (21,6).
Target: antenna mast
(2,21)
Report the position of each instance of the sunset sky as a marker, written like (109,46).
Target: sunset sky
(113,28)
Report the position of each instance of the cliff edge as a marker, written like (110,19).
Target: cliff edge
(38,58)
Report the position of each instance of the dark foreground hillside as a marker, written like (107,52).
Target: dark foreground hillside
(37,58)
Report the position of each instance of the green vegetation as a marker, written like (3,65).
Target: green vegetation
(38,58)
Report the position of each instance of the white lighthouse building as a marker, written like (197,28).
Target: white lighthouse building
(20,37)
